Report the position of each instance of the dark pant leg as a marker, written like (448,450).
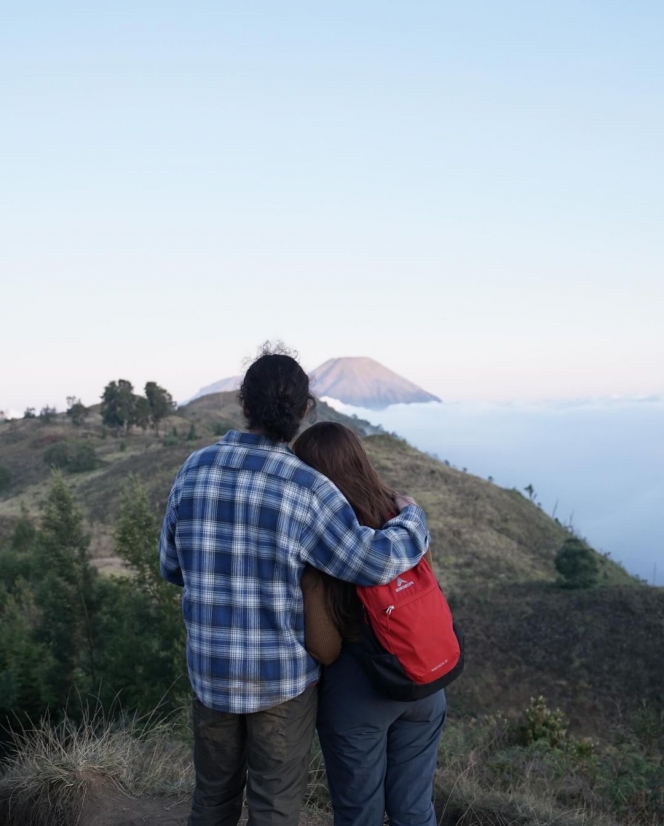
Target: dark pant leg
(412,749)
(220,762)
(353,723)
(279,741)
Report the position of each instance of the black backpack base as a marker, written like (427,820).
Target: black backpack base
(387,675)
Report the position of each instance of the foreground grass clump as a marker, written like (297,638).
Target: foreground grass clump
(493,771)
(52,769)
(531,771)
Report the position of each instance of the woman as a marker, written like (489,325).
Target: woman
(380,754)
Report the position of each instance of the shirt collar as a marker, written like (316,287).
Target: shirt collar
(237,437)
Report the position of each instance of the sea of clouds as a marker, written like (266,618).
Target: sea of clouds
(598,464)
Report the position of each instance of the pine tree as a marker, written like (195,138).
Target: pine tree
(577,564)
(64,594)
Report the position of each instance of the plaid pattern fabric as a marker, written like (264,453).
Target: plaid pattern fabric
(244,517)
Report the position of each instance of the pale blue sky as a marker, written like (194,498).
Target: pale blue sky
(471,193)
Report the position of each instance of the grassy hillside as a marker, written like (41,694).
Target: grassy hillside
(493,550)
(597,653)
(504,758)
(481,532)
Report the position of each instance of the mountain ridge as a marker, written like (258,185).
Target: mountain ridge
(363,382)
(359,381)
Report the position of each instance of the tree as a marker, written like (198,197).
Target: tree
(76,410)
(160,402)
(117,404)
(141,413)
(141,619)
(29,413)
(137,536)
(577,564)
(63,593)
(47,414)
(25,532)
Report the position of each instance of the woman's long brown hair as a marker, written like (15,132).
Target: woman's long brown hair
(338,453)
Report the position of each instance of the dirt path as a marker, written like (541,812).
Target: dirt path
(121,810)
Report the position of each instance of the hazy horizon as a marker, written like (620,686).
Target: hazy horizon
(596,462)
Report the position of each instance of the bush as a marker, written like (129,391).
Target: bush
(542,723)
(492,771)
(78,457)
(577,564)
(171,439)
(57,455)
(83,458)
(76,410)
(220,429)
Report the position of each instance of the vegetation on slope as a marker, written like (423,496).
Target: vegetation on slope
(72,637)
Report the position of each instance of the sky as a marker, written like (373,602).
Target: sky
(470,193)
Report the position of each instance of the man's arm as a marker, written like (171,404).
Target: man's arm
(335,542)
(169,563)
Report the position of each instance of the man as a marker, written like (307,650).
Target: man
(243,518)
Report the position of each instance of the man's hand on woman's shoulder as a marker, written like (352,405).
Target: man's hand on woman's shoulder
(402,501)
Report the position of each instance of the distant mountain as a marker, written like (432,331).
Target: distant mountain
(363,382)
(221,386)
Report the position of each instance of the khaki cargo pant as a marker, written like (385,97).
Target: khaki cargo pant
(267,750)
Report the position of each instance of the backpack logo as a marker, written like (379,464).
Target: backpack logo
(402,584)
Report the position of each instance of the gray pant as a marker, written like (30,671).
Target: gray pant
(380,754)
(268,750)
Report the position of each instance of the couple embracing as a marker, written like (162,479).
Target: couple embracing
(268,543)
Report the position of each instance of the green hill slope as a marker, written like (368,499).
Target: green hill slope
(481,532)
(493,551)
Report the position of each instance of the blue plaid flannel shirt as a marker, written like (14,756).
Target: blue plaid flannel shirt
(244,517)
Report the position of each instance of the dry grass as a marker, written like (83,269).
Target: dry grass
(55,772)
(485,778)
(52,770)
(480,531)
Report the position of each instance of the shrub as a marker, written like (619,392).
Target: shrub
(220,429)
(83,458)
(78,457)
(542,723)
(577,564)
(171,439)
(76,410)
(57,455)
(191,434)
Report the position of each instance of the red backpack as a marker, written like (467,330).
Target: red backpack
(410,644)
